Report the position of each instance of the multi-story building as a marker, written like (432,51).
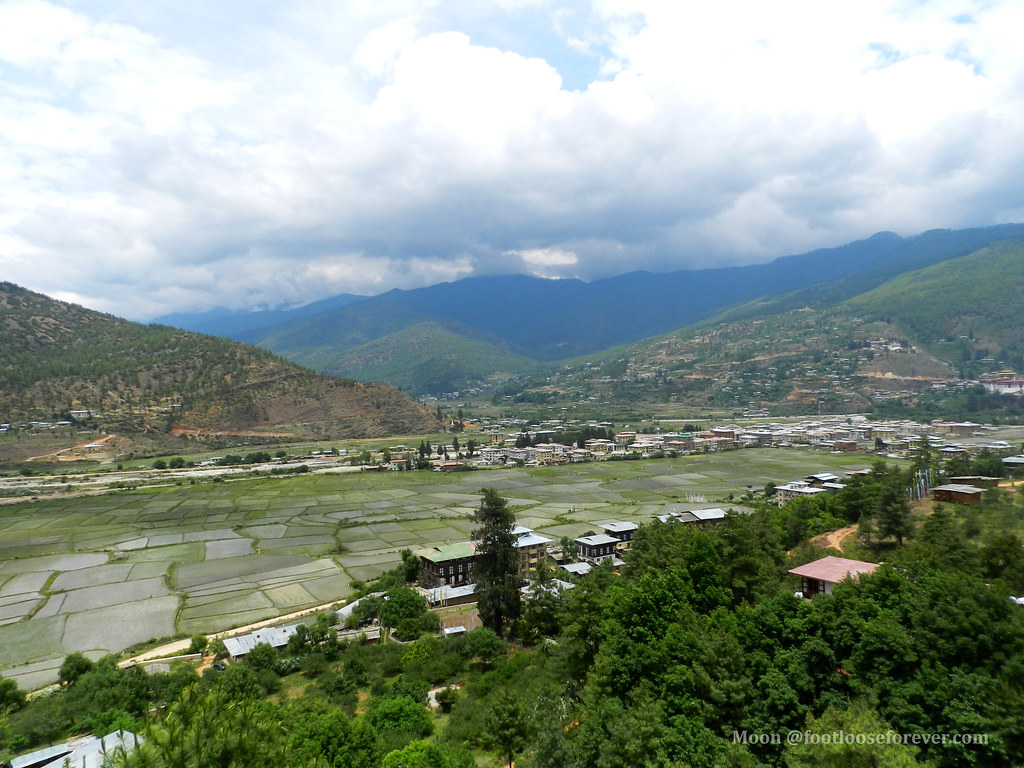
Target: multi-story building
(449,564)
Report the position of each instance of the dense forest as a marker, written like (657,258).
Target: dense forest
(697,653)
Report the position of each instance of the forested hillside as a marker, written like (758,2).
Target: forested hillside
(57,357)
(964,309)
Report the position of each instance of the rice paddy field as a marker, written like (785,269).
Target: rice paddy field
(99,574)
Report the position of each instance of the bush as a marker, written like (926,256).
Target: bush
(446,699)
(400,714)
(411,688)
(262,656)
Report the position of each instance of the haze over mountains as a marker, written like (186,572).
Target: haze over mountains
(452,335)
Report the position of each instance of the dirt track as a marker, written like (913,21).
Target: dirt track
(834,539)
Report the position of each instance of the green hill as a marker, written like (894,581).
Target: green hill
(964,310)
(427,357)
(57,357)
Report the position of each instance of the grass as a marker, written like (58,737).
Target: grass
(248,550)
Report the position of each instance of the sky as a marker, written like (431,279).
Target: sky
(161,157)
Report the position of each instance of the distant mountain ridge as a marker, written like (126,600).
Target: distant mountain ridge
(551,320)
(231,323)
(57,357)
(914,338)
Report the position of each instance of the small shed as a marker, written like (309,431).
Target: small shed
(957,493)
(819,577)
(577,569)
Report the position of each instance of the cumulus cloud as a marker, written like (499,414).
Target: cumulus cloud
(256,153)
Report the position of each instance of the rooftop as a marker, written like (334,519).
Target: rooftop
(445,552)
(833,569)
(596,540)
(619,527)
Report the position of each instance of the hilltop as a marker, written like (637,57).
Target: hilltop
(58,358)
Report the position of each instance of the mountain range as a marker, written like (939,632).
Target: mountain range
(454,335)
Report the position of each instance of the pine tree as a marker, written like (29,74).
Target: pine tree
(893,515)
(496,568)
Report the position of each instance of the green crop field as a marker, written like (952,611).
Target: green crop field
(99,574)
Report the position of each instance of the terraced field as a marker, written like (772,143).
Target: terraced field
(99,574)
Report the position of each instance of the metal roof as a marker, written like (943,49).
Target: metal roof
(577,569)
(532,540)
(709,514)
(833,569)
(445,552)
(596,540)
(619,527)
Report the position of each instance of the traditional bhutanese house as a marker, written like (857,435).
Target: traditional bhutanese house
(818,480)
(957,493)
(620,530)
(708,516)
(795,490)
(596,548)
(819,577)
(962,428)
(532,547)
(447,564)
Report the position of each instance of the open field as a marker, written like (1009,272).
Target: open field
(101,573)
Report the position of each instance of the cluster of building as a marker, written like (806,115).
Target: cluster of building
(812,485)
(839,434)
(965,489)
(449,566)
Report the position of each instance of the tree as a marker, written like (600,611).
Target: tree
(417,754)
(401,714)
(496,568)
(402,603)
(209,732)
(507,726)
(75,665)
(893,513)
(11,696)
(850,752)
(262,656)
(484,644)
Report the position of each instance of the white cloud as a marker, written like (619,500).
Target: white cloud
(257,153)
(544,262)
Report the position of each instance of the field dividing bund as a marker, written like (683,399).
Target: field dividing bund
(103,573)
